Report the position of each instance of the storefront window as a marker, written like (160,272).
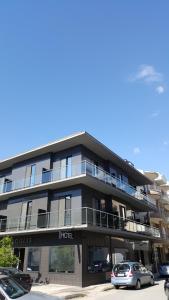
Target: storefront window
(33,259)
(98,259)
(61,259)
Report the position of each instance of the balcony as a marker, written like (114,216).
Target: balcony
(84,173)
(166,218)
(81,218)
(165,199)
(157,215)
(155,191)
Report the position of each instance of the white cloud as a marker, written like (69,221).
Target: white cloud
(155,114)
(160,89)
(148,74)
(166,143)
(136,150)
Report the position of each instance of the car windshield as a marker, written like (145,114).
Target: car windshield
(11,288)
(121,268)
(11,271)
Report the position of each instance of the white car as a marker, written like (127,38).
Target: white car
(10,289)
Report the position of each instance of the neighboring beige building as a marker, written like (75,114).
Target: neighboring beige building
(160,219)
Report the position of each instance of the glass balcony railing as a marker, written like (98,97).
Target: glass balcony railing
(159,214)
(71,171)
(79,217)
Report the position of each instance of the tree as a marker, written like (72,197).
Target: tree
(7,257)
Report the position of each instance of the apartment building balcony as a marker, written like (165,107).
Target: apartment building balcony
(155,192)
(84,218)
(166,218)
(157,216)
(82,173)
(165,201)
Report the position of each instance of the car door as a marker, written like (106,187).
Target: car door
(145,275)
(136,272)
(142,274)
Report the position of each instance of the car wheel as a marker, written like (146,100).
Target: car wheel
(116,287)
(138,285)
(152,281)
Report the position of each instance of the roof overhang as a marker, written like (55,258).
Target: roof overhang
(157,177)
(85,139)
(165,187)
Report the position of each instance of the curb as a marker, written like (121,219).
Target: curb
(81,295)
(108,288)
(77,295)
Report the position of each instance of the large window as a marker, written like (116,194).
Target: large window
(66,167)
(67,210)
(25,217)
(32,175)
(46,175)
(33,259)
(7,185)
(98,259)
(62,259)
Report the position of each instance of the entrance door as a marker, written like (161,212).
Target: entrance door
(96,211)
(142,257)
(20,253)
(122,216)
(122,212)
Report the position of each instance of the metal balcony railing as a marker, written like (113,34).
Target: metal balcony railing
(74,170)
(159,214)
(74,218)
(165,199)
(154,188)
(166,218)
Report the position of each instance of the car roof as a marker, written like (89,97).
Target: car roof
(7,268)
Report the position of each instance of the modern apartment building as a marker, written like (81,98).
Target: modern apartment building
(71,207)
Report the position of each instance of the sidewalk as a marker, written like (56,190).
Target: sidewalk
(70,292)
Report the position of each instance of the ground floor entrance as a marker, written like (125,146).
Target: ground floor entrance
(20,253)
(79,258)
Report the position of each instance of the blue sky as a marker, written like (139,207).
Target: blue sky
(94,65)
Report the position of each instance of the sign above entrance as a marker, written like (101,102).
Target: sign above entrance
(65,235)
(22,241)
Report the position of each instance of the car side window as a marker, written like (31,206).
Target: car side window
(136,268)
(142,268)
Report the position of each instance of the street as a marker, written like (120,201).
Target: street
(146,293)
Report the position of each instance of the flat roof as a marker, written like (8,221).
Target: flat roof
(80,138)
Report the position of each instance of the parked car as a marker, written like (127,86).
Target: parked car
(164,270)
(166,287)
(131,274)
(100,266)
(24,279)
(11,289)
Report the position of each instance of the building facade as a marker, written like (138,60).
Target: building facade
(71,207)
(159,191)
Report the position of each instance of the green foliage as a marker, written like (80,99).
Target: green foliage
(7,257)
